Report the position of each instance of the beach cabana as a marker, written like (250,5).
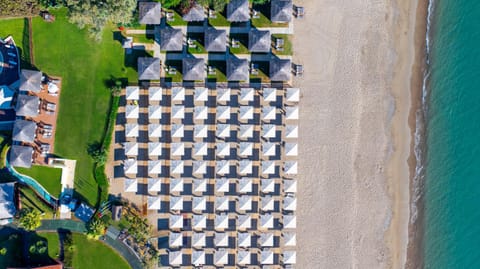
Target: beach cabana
(246,131)
(269,130)
(154,167)
(131,148)
(291,149)
(199,185)
(269,94)
(200,131)
(148,68)
(291,112)
(266,221)
(290,185)
(245,185)
(269,149)
(289,239)
(130,167)
(200,113)
(237,69)
(130,185)
(24,131)
(223,112)
(281,10)
(193,69)
(221,240)
(131,111)
(176,185)
(201,94)
(154,202)
(245,203)
(132,93)
(266,257)
(155,149)
(280,69)
(221,221)
(289,257)
(220,257)
(200,149)
(289,222)
(222,184)
(27,105)
(223,130)
(175,240)
(154,185)
(198,257)
(178,112)
(21,156)
(246,113)
(244,239)
(196,13)
(291,131)
(30,80)
(291,168)
(199,240)
(244,257)
(199,167)
(199,204)
(154,130)
(154,112)
(149,13)
(223,95)
(175,258)
(268,203)
(290,203)
(215,40)
(199,222)
(221,203)
(245,167)
(177,149)
(176,203)
(269,113)
(267,185)
(175,222)
(247,94)
(292,95)
(238,11)
(259,41)
(266,240)
(268,167)
(178,94)
(177,131)
(171,39)
(155,93)
(131,130)
(176,167)
(246,149)
(244,222)
(223,149)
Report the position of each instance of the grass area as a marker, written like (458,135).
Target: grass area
(263,19)
(17,28)
(86,68)
(143,38)
(198,40)
(220,20)
(263,72)
(242,41)
(220,71)
(48,177)
(177,19)
(287,46)
(29,199)
(177,77)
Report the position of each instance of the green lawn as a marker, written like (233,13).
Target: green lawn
(242,40)
(263,20)
(143,38)
(220,71)
(17,29)
(29,199)
(48,177)
(177,77)
(287,47)
(177,19)
(220,20)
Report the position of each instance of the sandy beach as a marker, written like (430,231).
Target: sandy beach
(355,136)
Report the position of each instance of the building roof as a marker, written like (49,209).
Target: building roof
(259,41)
(193,69)
(196,13)
(215,40)
(7,204)
(30,80)
(21,156)
(148,68)
(281,10)
(237,69)
(27,105)
(149,12)
(280,69)
(24,131)
(238,11)
(171,39)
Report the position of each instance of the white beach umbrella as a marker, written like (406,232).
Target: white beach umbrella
(268,203)
(176,203)
(154,112)
(246,149)
(154,184)
(130,166)
(222,184)
(289,257)
(291,131)
(291,112)
(155,94)
(245,203)
(246,113)
(223,95)
(223,149)
(267,185)
(175,258)
(269,149)
(198,257)
(223,112)
(244,222)
(220,257)
(175,222)
(199,222)
(132,111)
(199,204)
(266,221)
(200,131)
(131,130)
(132,93)
(266,239)
(131,148)
(177,149)
(177,130)
(291,168)
(244,257)
(289,222)
(176,167)
(155,149)
(199,167)
(130,185)
(269,113)
(291,149)
(223,167)
(200,149)
(221,239)
(245,185)
(178,112)
(223,130)
(293,94)
(247,94)
(199,240)
(246,131)
(221,221)
(154,202)
(154,167)
(201,94)
(176,185)
(290,185)
(290,203)
(269,94)
(201,113)
(245,167)
(221,203)
(178,94)
(289,239)
(175,240)
(266,257)
(244,239)
(154,130)
(199,185)
(268,167)
(269,130)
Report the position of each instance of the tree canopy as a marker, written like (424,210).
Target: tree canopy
(30,219)
(19,8)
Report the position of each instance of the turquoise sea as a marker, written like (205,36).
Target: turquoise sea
(452,186)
